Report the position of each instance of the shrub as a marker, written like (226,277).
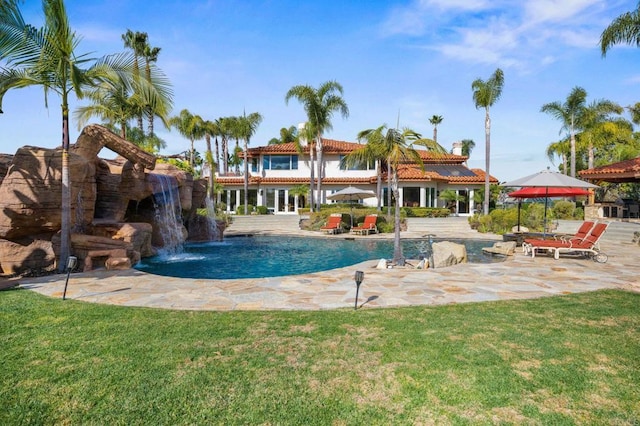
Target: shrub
(563,209)
(262,210)
(240,209)
(426,212)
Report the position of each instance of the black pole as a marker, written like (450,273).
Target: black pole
(355,308)
(546,200)
(519,206)
(71,263)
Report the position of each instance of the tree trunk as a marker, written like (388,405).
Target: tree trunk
(65,225)
(312,183)
(319,191)
(225,155)
(246,176)
(379,184)
(487,155)
(573,149)
(398,258)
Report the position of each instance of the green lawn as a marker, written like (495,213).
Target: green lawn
(563,360)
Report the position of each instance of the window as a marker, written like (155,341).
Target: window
(254,165)
(360,166)
(280,162)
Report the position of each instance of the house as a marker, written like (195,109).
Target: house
(275,170)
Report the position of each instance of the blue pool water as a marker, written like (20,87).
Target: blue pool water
(271,256)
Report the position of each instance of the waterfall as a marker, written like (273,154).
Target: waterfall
(168,213)
(214,232)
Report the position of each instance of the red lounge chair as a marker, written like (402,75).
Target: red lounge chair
(334,224)
(588,245)
(580,235)
(368,227)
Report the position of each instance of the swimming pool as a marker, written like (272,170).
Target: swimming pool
(272,256)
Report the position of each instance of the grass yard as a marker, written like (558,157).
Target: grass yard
(564,360)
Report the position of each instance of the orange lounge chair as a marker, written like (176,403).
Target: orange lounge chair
(334,224)
(588,245)
(580,235)
(368,227)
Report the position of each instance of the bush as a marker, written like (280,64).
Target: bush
(426,212)
(563,209)
(240,209)
(262,210)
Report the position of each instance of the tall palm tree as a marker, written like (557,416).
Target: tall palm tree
(320,105)
(191,127)
(136,41)
(150,55)
(371,152)
(634,110)
(211,129)
(569,114)
(247,126)
(224,124)
(485,94)
(624,29)
(435,121)
(397,148)
(47,57)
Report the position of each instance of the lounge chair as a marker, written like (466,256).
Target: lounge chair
(580,235)
(587,246)
(368,227)
(333,225)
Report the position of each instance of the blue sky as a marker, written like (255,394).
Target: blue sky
(409,59)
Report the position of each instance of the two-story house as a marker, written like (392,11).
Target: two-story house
(277,172)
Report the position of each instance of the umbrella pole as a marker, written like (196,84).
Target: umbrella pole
(519,206)
(544,222)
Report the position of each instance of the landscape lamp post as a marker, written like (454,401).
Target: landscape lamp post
(358,279)
(71,263)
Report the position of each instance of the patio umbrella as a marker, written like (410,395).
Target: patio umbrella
(548,182)
(539,192)
(351,194)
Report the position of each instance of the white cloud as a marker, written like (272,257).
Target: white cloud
(538,11)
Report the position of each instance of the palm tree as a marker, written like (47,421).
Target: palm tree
(634,110)
(569,113)
(372,151)
(211,129)
(435,120)
(560,149)
(287,135)
(150,55)
(467,147)
(320,105)
(247,126)
(136,41)
(191,127)
(396,146)
(485,94)
(599,127)
(46,57)
(224,124)
(624,29)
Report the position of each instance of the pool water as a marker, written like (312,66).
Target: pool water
(271,256)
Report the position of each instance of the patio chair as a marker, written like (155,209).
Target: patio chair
(587,246)
(333,225)
(368,227)
(580,235)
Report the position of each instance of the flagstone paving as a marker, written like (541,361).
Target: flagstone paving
(518,277)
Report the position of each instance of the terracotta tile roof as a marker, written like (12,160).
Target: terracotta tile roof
(623,171)
(332,146)
(256,180)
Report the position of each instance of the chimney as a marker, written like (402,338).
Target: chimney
(457,148)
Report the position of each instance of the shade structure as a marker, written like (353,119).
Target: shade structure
(351,194)
(547,183)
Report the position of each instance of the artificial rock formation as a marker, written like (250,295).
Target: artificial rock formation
(447,253)
(112,203)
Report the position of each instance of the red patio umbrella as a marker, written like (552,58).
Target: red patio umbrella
(539,192)
(546,192)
